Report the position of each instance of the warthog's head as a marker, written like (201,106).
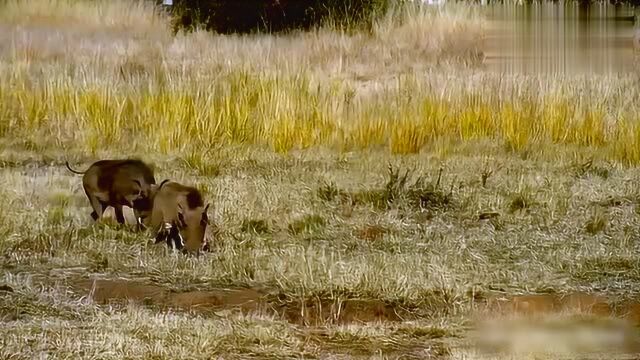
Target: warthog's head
(193,223)
(144,202)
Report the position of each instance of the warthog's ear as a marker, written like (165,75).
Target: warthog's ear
(153,189)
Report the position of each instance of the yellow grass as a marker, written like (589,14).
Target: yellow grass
(137,86)
(284,113)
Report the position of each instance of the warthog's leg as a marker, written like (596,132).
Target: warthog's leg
(119,214)
(98,207)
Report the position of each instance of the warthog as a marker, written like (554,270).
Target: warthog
(118,183)
(179,216)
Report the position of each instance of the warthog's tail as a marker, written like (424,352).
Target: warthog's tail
(73,171)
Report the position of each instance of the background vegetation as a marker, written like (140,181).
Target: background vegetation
(278,15)
(356,176)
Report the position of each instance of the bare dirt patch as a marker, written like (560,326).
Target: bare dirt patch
(110,291)
(320,312)
(547,304)
(595,305)
(574,323)
(107,291)
(247,300)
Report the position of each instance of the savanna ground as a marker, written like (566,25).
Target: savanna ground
(373,192)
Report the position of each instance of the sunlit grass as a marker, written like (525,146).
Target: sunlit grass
(173,94)
(286,113)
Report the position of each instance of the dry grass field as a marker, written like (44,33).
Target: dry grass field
(376,194)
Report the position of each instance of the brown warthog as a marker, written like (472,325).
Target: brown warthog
(118,183)
(179,216)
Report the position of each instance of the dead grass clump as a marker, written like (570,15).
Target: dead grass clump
(519,202)
(329,191)
(424,333)
(372,233)
(597,223)
(56,215)
(601,265)
(307,224)
(255,226)
(99,261)
(203,163)
(399,189)
(589,168)
(522,199)
(372,342)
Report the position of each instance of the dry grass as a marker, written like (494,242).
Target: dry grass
(134,18)
(519,184)
(431,264)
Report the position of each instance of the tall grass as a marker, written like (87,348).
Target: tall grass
(134,17)
(287,112)
(325,87)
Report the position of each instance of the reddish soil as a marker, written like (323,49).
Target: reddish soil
(242,299)
(107,291)
(631,313)
(318,312)
(575,303)
(247,300)
(586,304)
(597,333)
(104,291)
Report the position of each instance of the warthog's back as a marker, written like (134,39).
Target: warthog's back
(108,173)
(175,193)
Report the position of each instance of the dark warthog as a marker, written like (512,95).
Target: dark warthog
(179,216)
(118,183)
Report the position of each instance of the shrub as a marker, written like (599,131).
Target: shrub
(245,16)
